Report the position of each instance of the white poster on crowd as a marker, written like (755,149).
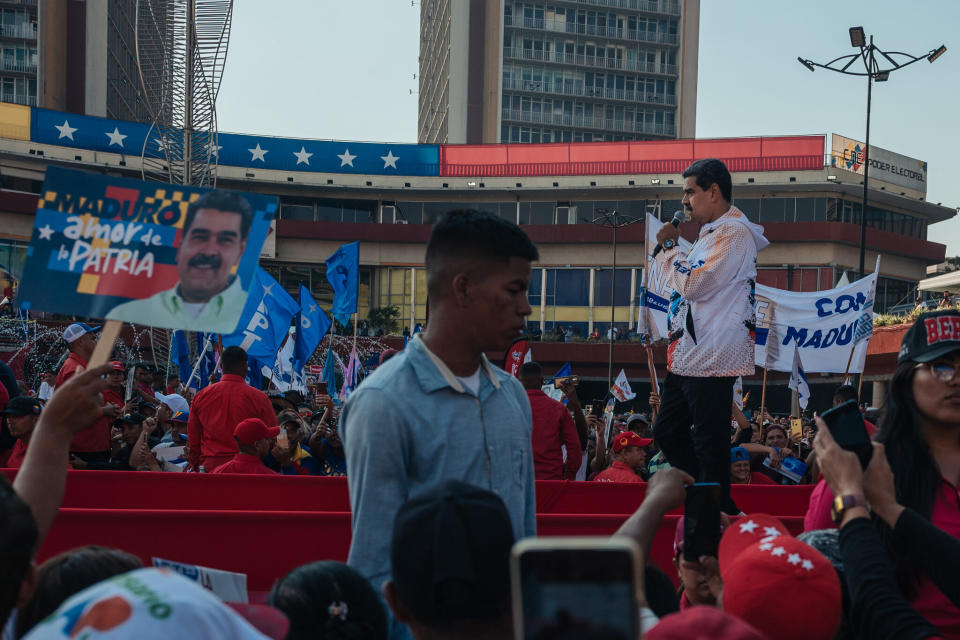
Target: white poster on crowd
(825,325)
(226,585)
(653,312)
(621,388)
(738,392)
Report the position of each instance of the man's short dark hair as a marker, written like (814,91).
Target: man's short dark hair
(476,235)
(531,369)
(844,393)
(18,542)
(221,200)
(710,171)
(234,359)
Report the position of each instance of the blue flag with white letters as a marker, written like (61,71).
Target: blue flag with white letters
(343,273)
(265,320)
(312,323)
(180,354)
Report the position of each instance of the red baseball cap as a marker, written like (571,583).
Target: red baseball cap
(629,439)
(778,565)
(744,532)
(253,430)
(116,365)
(703,623)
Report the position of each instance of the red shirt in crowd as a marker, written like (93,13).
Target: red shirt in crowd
(553,426)
(96,437)
(214,414)
(618,472)
(759,478)
(930,601)
(17,454)
(244,463)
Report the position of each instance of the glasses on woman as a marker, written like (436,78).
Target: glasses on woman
(942,371)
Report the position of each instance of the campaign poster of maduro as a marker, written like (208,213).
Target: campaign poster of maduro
(150,253)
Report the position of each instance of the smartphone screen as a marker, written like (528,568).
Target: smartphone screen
(578,593)
(847,428)
(597,407)
(701,521)
(322,388)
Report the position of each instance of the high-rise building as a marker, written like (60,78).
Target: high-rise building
(18,64)
(561,71)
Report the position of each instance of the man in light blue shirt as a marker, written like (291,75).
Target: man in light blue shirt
(208,296)
(439,410)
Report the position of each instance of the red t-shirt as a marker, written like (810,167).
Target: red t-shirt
(552,427)
(618,472)
(758,478)
(930,601)
(215,413)
(17,454)
(245,463)
(96,437)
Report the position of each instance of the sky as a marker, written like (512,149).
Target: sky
(344,70)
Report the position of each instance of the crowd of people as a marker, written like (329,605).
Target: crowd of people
(442,449)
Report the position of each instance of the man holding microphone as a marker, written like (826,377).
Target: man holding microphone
(711,324)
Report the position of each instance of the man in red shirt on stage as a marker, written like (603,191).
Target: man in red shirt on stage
(218,409)
(254,439)
(93,443)
(629,454)
(22,415)
(552,427)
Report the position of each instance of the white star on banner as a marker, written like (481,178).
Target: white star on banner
(215,149)
(771,532)
(116,138)
(45,232)
(303,156)
(266,289)
(765,546)
(66,131)
(794,559)
(779,551)
(161,143)
(257,153)
(806,564)
(748,527)
(345,158)
(389,160)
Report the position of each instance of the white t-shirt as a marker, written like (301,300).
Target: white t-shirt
(193,308)
(471,383)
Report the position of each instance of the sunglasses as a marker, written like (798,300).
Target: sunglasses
(942,371)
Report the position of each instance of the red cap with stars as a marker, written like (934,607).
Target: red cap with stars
(745,531)
(777,564)
(629,439)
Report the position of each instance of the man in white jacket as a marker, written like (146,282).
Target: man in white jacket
(711,326)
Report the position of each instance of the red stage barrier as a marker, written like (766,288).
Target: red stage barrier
(186,491)
(267,544)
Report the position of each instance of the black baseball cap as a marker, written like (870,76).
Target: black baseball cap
(23,406)
(932,335)
(451,554)
(132,418)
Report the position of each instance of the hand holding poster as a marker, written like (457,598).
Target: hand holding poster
(162,255)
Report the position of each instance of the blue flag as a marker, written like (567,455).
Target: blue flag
(565,372)
(343,271)
(330,375)
(265,321)
(312,324)
(180,355)
(208,360)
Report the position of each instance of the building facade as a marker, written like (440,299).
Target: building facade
(499,71)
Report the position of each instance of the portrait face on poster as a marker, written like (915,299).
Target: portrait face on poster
(154,254)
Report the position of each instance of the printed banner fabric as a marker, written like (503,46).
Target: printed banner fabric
(653,314)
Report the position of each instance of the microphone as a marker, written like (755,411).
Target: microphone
(678,217)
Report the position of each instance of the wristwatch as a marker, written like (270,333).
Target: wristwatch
(842,503)
(668,244)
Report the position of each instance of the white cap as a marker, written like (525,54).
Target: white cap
(175,402)
(77,330)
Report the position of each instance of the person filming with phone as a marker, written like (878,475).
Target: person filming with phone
(710,321)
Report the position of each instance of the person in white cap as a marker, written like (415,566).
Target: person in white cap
(93,443)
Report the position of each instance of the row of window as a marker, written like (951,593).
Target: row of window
(590,53)
(761,210)
(588,83)
(526,107)
(590,22)
(536,135)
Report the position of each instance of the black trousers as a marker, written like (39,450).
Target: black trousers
(703,451)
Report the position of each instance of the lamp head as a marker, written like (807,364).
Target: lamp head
(857,37)
(805,63)
(937,53)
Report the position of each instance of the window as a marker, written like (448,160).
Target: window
(601,287)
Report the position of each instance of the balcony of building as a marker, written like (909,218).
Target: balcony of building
(587,122)
(17,66)
(589,62)
(23,31)
(658,7)
(577,28)
(578,90)
(14,98)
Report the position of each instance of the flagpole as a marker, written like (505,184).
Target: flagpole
(653,377)
(645,311)
(763,398)
(859,384)
(846,371)
(196,367)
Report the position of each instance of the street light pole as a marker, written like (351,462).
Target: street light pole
(613,220)
(872,70)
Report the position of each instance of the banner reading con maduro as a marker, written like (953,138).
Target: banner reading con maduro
(150,253)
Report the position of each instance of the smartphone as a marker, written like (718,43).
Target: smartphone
(322,388)
(559,381)
(847,428)
(597,407)
(701,521)
(282,440)
(575,587)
